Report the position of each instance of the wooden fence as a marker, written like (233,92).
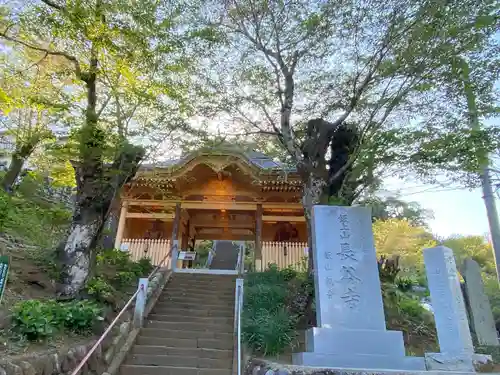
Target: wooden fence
(152,249)
(284,254)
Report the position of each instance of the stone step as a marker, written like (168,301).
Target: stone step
(182,352)
(225,287)
(195,304)
(198,292)
(191,319)
(178,361)
(183,334)
(170,370)
(224,344)
(172,309)
(197,297)
(194,276)
(200,300)
(158,324)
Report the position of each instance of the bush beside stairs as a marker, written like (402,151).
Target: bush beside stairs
(189,331)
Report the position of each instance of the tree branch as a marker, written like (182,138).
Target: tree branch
(53,4)
(69,57)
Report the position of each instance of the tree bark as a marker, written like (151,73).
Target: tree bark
(13,172)
(97,188)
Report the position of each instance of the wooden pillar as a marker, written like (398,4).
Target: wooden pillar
(175,229)
(121,225)
(258,239)
(177,221)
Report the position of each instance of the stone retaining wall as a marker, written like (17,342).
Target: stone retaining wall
(65,360)
(263,367)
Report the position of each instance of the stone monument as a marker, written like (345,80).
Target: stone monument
(351,330)
(455,342)
(481,316)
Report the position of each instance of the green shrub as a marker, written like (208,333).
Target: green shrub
(146,266)
(34,320)
(269,332)
(113,257)
(80,316)
(271,276)
(265,296)
(37,320)
(410,307)
(404,283)
(124,278)
(100,288)
(289,273)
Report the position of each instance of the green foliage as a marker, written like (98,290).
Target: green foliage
(115,273)
(265,296)
(34,319)
(274,302)
(100,288)
(404,283)
(269,332)
(404,312)
(37,320)
(399,237)
(36,221)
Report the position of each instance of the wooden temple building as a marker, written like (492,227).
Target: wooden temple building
(222,194)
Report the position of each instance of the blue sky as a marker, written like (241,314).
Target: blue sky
(459,211)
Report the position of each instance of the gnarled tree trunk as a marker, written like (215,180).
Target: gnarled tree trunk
(97,187)
(16,165)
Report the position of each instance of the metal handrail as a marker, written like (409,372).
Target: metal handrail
(122,311)
(240,266)
(238,309)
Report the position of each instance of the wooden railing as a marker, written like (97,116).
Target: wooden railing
(284,254)
(144,248)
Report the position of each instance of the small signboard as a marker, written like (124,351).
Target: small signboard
(187,255)
(4,271)
(124,247)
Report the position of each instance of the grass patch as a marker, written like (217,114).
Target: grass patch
(273,307)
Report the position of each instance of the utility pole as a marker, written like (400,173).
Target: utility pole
(484,170)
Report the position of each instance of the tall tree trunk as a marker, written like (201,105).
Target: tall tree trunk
(312,192)
(18,159)
(13,172)
(107,240)
(97,187)
(95,194)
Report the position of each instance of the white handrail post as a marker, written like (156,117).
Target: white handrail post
(175,254)
(140,302)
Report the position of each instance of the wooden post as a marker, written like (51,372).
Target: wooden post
(257,262)
(175,232)
(121,225)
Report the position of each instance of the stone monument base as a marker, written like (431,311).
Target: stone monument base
(375,349)
(455,362)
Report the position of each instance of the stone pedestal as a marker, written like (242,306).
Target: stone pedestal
(349,308)
(455,342)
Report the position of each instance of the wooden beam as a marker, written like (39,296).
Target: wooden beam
(210,205)
(220,206)
(149,215)
(146,203)
(297,219)
(225,237)
(222,224)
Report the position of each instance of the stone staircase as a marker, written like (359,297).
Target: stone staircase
(226,256)
(189,331)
